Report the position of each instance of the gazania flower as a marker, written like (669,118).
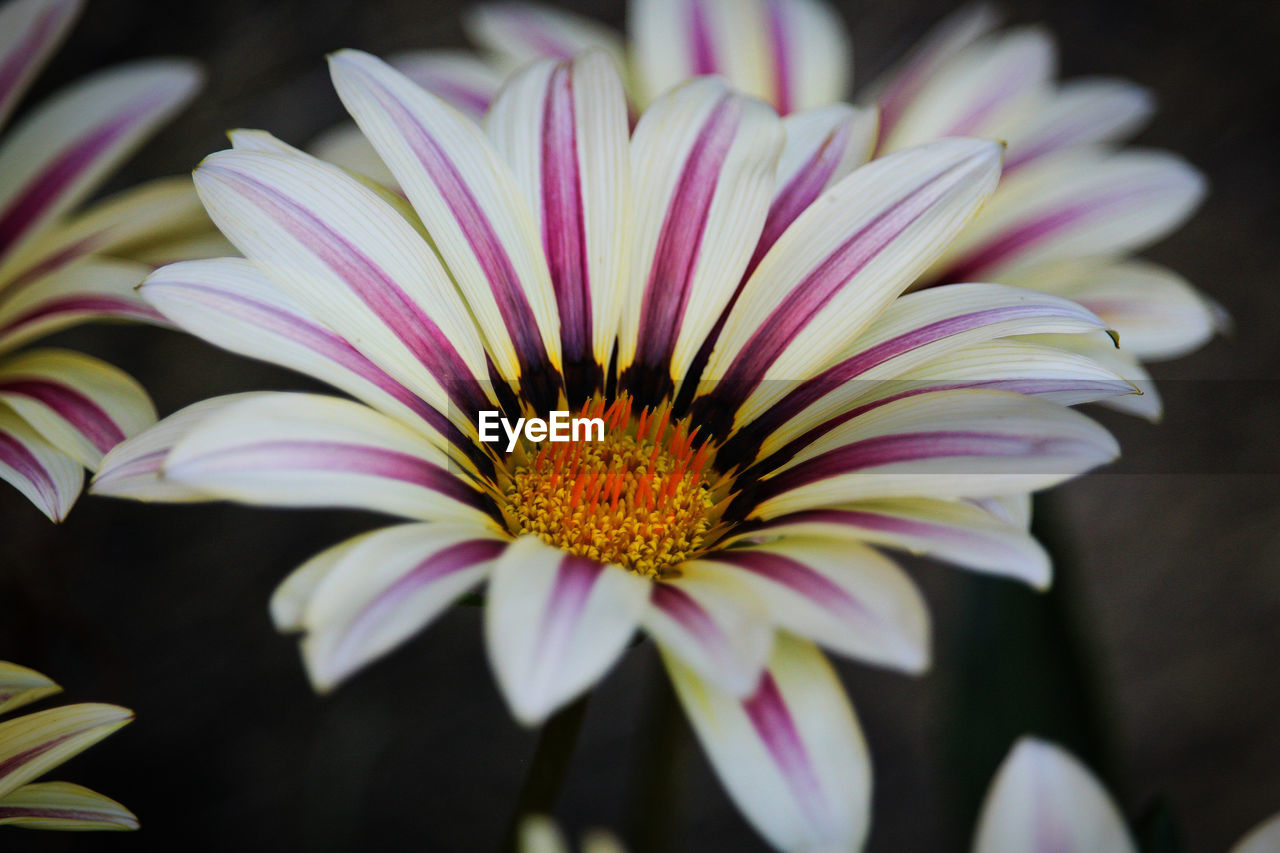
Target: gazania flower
(1070,209)
(60,411)
(727,505)
(1044,800)
(32,745)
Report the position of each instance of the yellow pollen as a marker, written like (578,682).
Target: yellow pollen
(638,499)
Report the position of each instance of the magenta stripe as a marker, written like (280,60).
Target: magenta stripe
(43,190)
(563,224)
(504,282)
(15,455)
(783,72)
(826,279)
(532,31)
(51,263)
(800,579)
(911,447)
(16,762)
(894,524)
(322,342)
(1006,245)
(302,456)
(691,616)
(701,46)
(21,812)
(436,567)
(771,718)
(407,320)
(468,99)
(77,409)
(110,306)
(676,255)
(575,578)
(147,463)
(25,54)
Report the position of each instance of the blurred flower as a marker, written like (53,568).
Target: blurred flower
(1069,211)
(539,834)
(1044,800)
(562,262)
(32,745)
(60,411)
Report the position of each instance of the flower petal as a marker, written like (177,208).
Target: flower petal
(706,159)
(901,85)
(80,405)
(33,745)
(842,595)
(287,449)
(954,531)
(842,262)
(1145,403)
(468,83)
(353,263)
(361,599)
(132,468)
(795,54)
(20,686)
(562,128)
(792,755)
(61,151)
(231,304)
(1081,112)
(715,622)
(64,806)
(471,206)
(518,33)
(1079,203)
(1043,799)
(985,91)
(49,479)
(30,30)
(1264,838)
(555,623)
(942,444)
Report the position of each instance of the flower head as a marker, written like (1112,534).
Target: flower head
(34,744)
(769,405)
(60,411)
(1071,207)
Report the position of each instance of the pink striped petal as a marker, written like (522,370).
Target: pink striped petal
(714,621)
(555,623)
(841,263)
(791,755)
(1081,203)
(63,150)
(32,745)
(80,405)
(48,478)
(30,30)
(20,686)
(376,591)
(472,207)
(288,449)
(86,290)
(231,304)
(468,83)
(1044,800)
(944,444)
(518,33)
(63,806)
(842,595)
(562,127)
(901,85)
(1081,112)
(794,54)
(953,531)
(706,160)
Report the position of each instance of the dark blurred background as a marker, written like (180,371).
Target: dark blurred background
(1156,657)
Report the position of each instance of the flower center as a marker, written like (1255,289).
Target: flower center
(638,498)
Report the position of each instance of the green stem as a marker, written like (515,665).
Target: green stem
(548,769)
(660,768)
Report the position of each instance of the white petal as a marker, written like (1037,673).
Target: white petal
(30,30)
(555,623)
(1043,800)
(518,32)
(792,755)
(1081,112)
(48,478)
(1264,838)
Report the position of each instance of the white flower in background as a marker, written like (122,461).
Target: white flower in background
(1044,800)
(1071,208)
(562,262)
(32,745)
(60,265)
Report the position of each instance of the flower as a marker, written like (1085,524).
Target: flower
(1044,799)
(1071,207)
(34,744)
(60,411)
(539,834)
(560,262)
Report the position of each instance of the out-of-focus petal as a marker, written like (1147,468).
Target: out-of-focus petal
(517,33)
(29,32)
(32,745)
(20,686)
(48,478)
(64,806)
(1264,838)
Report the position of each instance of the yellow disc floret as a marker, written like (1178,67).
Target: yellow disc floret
(638,498)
